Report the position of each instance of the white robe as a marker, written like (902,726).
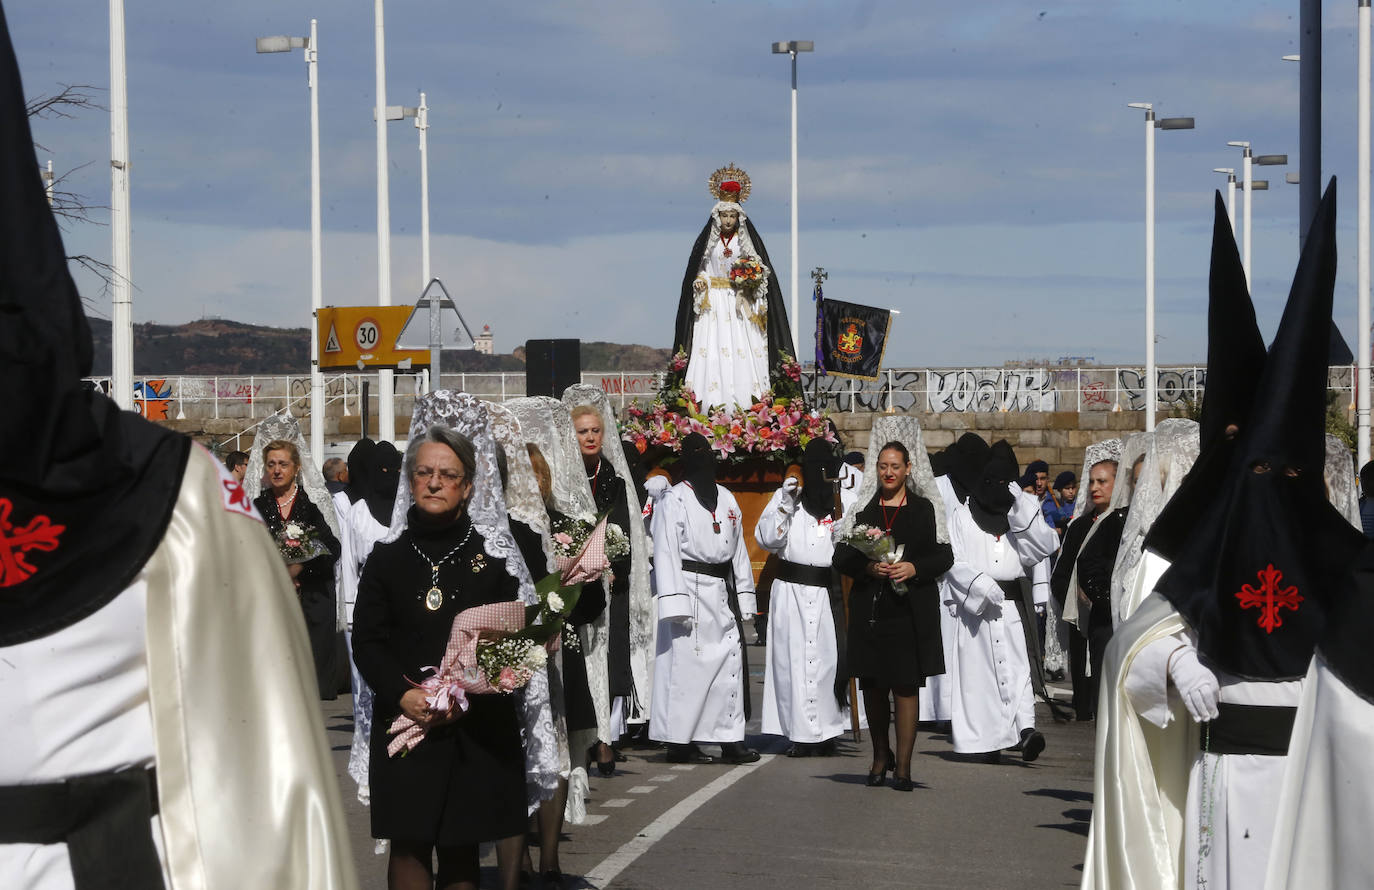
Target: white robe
(1321,830)
(729,361)
(359,533)
(799,680)
(698,669)
(935,702)
(990,692)
(851,480)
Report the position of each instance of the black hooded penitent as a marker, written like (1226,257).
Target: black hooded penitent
(697,467)
(86,491)
(964,461)
(359,459)
(1235,361)
(991,498)
(778,333)
(1256,577)
(820,464)
(383,478)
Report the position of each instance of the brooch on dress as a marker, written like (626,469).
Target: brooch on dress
(479,562)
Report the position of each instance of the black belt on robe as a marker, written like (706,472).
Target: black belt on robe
(1249,729)
(726,572)
(825,576)
(1030,629)
(103,819)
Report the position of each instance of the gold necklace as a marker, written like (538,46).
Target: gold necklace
(434,597)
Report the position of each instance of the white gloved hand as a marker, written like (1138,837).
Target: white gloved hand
(656,486)
(996,596)
(1195,683)
(792,487)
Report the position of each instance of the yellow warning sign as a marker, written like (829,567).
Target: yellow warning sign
(358,337)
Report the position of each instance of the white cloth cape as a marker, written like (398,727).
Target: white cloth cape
(225,688)
(799,679)
(698,673)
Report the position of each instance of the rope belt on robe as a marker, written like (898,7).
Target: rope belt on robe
(103,819)
(725,571)
(1249,729)
(827,577)
(1014,591)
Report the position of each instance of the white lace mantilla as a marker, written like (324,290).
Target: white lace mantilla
(523,499)
(545,422)
(1342,485)
(486,508)
(906,429)
(286,428)
(640,593)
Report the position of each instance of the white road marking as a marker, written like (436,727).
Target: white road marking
(607,870)
(667,777)
(683,767)
(643,789)
(618,802)
(593,818)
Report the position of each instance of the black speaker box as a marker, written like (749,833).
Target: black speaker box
(552,366)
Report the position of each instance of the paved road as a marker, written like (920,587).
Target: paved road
(812,823)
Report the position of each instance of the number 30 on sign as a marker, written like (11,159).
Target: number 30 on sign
(366,335)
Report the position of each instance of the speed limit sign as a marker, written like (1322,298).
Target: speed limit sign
(367,334)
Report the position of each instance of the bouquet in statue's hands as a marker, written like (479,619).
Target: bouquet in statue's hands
(492,649)
(747,273)
(877,545)
(299,543)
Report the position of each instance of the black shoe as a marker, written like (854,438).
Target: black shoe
(1032,743)
(992,757)
(902,783)
(606,769)
(736,752)
(828,748)
(803,749)
(688,754)
(619,757)
(552,879)
(876,779)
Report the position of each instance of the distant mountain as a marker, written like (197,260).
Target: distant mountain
(218,346)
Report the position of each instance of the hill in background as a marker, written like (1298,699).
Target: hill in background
(218,346)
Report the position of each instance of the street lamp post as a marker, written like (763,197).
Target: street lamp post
(311,46)
(1151,124)
(386,384)
(792,47)
(1230,195)
(121,283)
(1362,288)
(421,115)
(1248,161)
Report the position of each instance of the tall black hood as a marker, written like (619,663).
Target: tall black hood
(1257,576)
(820,464)
(86,490)
(1235,362)
(697,467)
(964,463)
(992,498)
(359,459)
(383,479)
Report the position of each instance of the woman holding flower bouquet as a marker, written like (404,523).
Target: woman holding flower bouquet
(464,782)
(310,550)
(893,555)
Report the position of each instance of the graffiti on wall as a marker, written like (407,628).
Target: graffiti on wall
(152,398)
(994,389)
(1173,387)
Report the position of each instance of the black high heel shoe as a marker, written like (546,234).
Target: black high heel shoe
(902,783)
(879,778)
(606,769)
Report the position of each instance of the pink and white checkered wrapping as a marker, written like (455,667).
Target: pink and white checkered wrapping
(590,562)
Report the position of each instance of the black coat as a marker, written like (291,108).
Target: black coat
(609,494)
(896,640)
(316,590)
(1094,560)
(465,782)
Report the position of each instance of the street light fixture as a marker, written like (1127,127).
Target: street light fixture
(1151,124)
(1248,161)
(791,48)
(311,45)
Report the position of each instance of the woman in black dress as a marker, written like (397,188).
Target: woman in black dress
(608,491)
(894,640)
(465,781)
(285,501)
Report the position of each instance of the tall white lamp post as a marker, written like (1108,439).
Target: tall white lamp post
(791,48)
(421,116)
(311,46)
(1362,288)
(121,289)
(1151,124)
(1230,195)
(386,385)
(1248,184)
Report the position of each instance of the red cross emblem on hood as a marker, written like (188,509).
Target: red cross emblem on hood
(16,541)
(1269,598)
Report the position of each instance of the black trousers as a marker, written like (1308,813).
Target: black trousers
(1086,652)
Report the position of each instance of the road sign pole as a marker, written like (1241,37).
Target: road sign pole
(436,340)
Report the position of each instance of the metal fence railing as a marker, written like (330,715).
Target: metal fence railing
(935,390)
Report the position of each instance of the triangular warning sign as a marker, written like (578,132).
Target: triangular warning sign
(331,343)
(454,332)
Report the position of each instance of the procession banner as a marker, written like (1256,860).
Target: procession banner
(851,339)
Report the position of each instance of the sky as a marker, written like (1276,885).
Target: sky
(972,165)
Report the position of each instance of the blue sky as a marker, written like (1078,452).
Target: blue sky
(972,165)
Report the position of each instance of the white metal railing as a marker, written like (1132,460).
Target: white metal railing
(252,397)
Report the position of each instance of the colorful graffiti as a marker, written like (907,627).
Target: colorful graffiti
(152,398)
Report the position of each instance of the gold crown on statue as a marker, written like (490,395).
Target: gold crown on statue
(729,183)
